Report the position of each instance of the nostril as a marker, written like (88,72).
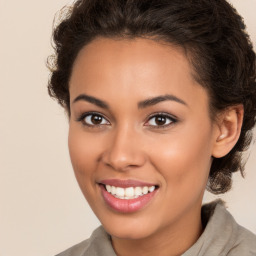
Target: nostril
(123,151)
(123,161)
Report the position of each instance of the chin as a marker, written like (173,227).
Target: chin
(130,233)
(129,228)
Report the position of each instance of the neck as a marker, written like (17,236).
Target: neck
(172,240)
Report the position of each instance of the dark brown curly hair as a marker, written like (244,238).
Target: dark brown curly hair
(212,34)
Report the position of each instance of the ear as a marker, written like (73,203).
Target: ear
(228,129)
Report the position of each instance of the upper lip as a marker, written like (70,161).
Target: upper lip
(126,183)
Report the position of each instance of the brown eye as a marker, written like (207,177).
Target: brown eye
(95,119)
(160,120)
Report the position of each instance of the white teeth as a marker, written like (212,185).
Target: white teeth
(120,192)
(129,193)
(145,190)
(113,190)
(138,191)
(108,187)
(151,189)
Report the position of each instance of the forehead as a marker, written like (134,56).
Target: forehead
(133,66)
(130,55)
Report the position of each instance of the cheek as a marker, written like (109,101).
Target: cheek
(184,160)
(83,155)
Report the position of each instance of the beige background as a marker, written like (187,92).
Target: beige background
(42,211)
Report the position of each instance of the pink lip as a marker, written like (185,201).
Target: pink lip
(126,183)
(126,205)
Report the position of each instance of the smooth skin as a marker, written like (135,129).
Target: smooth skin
(169,142)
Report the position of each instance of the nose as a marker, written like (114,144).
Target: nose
(124,150)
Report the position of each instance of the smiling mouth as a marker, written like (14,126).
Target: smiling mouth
(129,192)
(127,196)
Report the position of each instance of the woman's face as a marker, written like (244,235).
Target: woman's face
(139,125)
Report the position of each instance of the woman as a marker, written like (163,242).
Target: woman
(161,103)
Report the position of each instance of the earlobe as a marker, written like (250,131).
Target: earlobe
(229,126)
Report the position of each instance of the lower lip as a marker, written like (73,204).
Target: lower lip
(126,205)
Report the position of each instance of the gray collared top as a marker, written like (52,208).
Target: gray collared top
(222,236)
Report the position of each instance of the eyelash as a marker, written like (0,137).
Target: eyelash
(82,117)
(172,120)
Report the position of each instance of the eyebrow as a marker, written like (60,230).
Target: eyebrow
(91,99)
(158,99)
(142,104)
